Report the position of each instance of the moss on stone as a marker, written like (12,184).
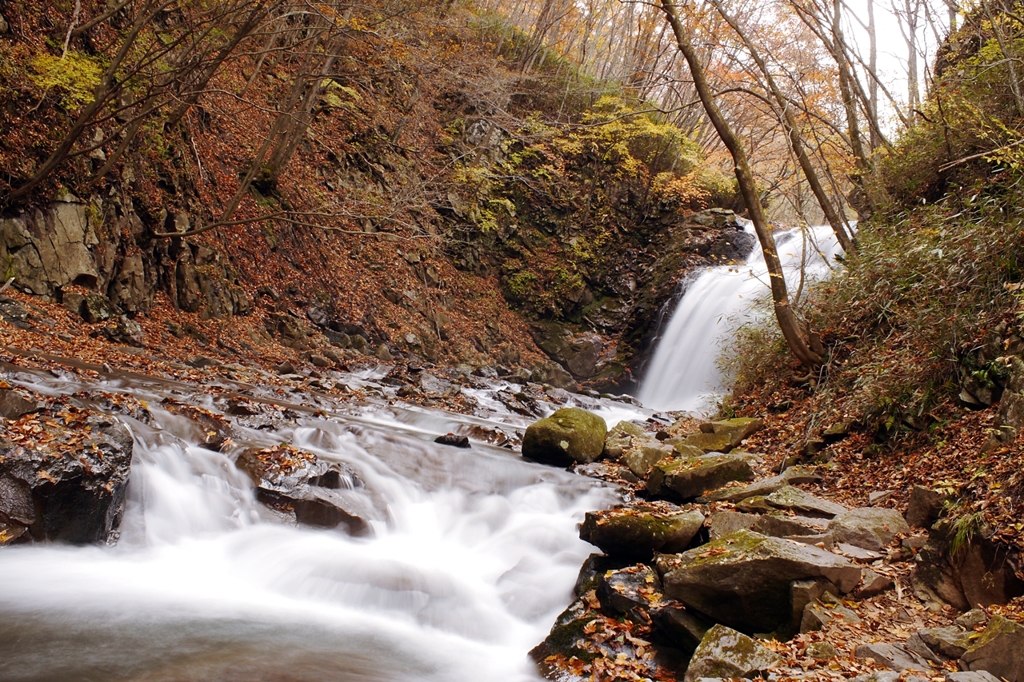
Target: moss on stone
(567,436)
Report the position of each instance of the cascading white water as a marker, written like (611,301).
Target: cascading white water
(474,557)
(684,373)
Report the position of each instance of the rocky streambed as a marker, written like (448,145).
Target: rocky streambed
(714,567)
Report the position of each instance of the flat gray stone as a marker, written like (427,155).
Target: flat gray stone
(872,528)
(892,656)
(800,502)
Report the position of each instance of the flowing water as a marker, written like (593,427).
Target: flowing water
(474,555)
(684,372)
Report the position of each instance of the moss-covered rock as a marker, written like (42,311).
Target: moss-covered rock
(999,650)
(636,532)
(688,478)
(725,653)
(620,437)
(745,579)
(723,436)
(568,436)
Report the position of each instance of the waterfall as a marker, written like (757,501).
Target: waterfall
(684,372)
(474,555)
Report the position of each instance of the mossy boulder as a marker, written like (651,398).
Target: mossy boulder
(688,478)
(999,650)
(794,500)
(723,436)
(745,579)
(641,460)
(636,532)
(568,436)
(725,653)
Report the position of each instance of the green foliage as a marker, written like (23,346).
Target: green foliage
(76,76)
(521,284)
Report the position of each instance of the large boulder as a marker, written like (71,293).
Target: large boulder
(688,478)
(636,532)
(568,436)
(999,650)
(723,436)
(870,527)
(65,481)
(745,579)
(318,493)
(727,654)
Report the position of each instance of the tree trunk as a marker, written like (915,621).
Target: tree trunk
(796,338)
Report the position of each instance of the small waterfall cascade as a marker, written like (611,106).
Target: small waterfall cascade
(473,558)
(684,372)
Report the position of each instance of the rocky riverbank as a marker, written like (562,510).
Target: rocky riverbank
(722,564)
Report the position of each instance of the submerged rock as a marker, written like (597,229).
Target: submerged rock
(319,493)
(637,532)
(568,436)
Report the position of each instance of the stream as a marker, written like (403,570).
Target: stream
(472,556)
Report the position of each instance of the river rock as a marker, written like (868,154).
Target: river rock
(871,528)
(728,654)
(319,493)
(679,627)
(15,403)
(773,524)
(67,482)
(745,579)
(723,436)
(567,636)
(569,435)
(688,478)
(623,591)
(638,531)
(999,650)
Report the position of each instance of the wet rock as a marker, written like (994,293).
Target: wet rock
(15,404)
(999,650)
(726,653)
(679,627)
(723,436)
(625,590)
(638,531)
(567,636)
(892,656)
(690,478)
(433,387)
(569,435)
(69,487)
(745,579)
(209,430)
(453,440)
(925,507)
(872,528)
(594,566)
(318,493)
